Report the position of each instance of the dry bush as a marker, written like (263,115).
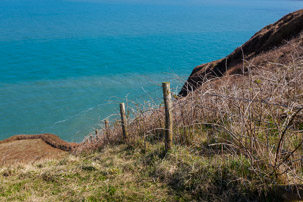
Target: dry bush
(258,115)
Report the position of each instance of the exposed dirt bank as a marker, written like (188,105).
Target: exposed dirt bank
(30,148)
(269,38)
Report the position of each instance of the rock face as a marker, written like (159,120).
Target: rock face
(268,38)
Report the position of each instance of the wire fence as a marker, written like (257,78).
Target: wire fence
(257,116)
(147,102)
(254,119)
(155,106)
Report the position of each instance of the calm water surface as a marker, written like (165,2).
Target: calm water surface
(65,65)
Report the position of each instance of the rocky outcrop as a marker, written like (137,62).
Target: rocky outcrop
(270,37)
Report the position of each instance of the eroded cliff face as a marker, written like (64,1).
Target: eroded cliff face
(268,38)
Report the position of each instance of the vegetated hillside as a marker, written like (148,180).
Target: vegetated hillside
(268,38)
(236,138)
(252,116)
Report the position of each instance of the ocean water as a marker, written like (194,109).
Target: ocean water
(65,65)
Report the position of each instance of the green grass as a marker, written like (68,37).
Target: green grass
(125,173)
(111,175)
(224,150)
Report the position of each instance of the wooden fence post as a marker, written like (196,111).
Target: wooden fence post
(168,116)
(106,124)
(123,120)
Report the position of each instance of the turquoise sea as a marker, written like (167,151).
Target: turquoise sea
(66,64)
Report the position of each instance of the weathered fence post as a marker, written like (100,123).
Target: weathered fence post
(168,116)
(123,120)
(106,124)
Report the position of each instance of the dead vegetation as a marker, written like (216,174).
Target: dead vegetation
(236,138)
(255,118)
(49,139)
(20,149)
(267,39)
(27,151)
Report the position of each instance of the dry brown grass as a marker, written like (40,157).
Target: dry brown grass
(113,175)
(257,115)
(49,139)
(31,148)
(27,151)
(267,39)
(235,138)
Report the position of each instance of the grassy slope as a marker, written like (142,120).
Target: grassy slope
(199,167)
(124,173)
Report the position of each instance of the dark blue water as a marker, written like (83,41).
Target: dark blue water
(65,65)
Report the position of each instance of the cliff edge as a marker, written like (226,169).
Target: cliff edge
(31,148)
(268,38)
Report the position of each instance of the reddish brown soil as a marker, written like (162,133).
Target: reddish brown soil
(31,148)
(269,38)
(27,151)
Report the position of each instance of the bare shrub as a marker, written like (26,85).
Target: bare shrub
(258,115)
